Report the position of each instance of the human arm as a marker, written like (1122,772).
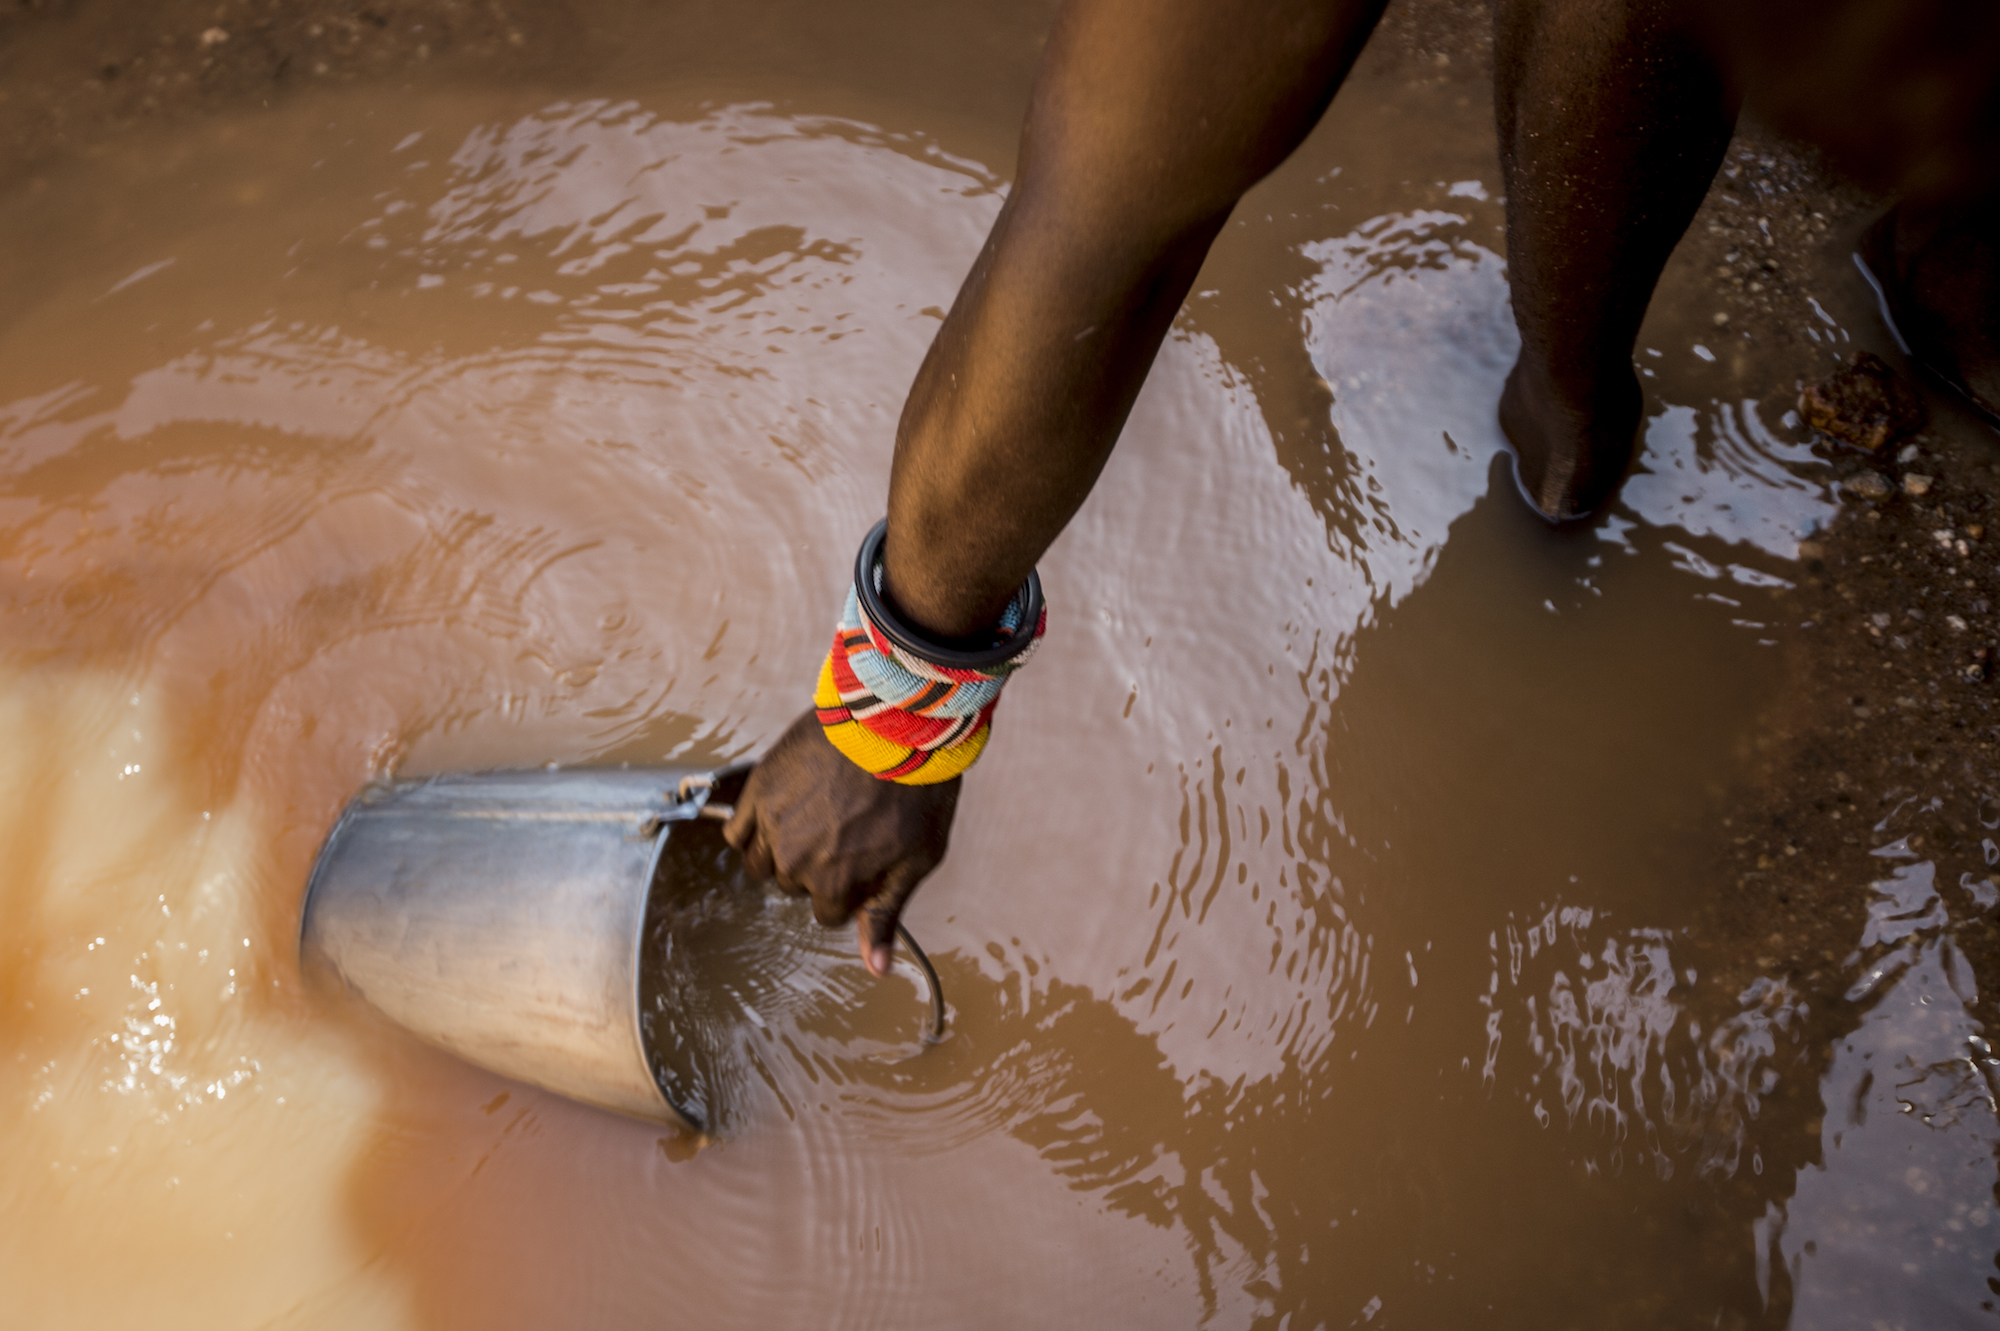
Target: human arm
(1149,119)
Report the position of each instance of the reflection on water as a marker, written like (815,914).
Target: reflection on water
(1896,1223)
(1321,931)
(1724,473)
(1619,1054)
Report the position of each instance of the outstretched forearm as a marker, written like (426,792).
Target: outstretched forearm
(1149,119)
(1147,123)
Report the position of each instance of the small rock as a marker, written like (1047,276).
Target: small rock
(1864,403)
(1880,619)
(1721,319)
(1973,672)
(1973,531)
(1870,486)
(1916,484)
(214,37)
(1910,453)
(1956,624)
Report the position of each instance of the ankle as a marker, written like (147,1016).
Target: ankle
(1572,441)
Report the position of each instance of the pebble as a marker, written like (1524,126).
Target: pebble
(1916,484)
(214,36)
(1865,403)
(1867,485)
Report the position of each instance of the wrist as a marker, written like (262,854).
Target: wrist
(939,604)
(903,705)
(1009,631)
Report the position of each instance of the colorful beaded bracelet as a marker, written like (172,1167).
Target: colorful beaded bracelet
(907,709)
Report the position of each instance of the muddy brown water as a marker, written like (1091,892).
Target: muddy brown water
(1321,932)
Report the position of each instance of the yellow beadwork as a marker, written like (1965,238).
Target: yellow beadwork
(876,755)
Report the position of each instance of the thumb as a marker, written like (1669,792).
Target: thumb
(876,925)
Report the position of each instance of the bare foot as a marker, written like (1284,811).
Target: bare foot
(1936,271)
(1569,459)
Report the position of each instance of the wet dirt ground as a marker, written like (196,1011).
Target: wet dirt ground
(1502,927)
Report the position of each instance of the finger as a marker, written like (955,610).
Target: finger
(877,930)
(757,856)
(788,884)
(742,826)
(831,908)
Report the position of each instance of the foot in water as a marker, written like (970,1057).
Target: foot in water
(1936,272)
(1571,450)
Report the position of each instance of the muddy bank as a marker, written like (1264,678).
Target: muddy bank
(1885,726)
(75,74)
(1887,731)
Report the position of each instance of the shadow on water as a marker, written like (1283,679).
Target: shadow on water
(1559,1047)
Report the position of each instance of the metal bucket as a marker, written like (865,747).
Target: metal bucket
(500,915)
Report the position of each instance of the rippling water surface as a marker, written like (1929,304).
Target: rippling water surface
(1317,931)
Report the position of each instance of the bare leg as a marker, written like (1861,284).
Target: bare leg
(1937,266)
(1613,120)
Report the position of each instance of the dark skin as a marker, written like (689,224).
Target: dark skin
(1147,123)
(1149,120)
(1615,114)
(1937,262)
(1613,120)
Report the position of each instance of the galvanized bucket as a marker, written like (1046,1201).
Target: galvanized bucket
(499,916)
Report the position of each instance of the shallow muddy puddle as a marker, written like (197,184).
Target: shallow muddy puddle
(1322,932)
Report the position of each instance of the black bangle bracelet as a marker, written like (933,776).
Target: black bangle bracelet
(1028,600)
